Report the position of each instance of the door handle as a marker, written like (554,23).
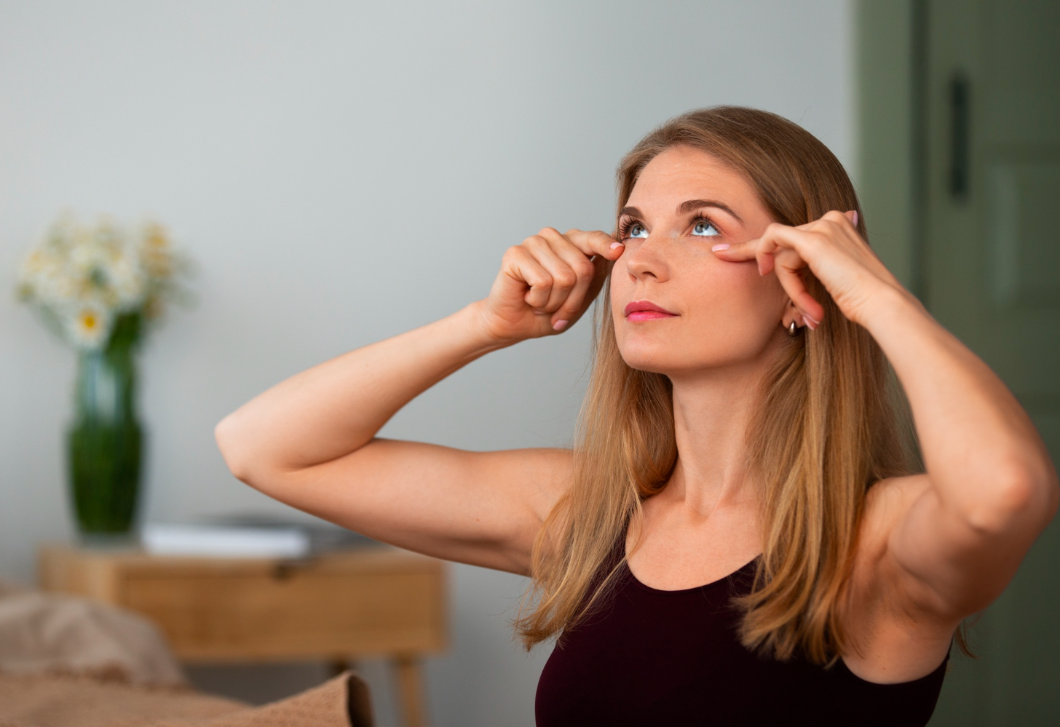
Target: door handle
(960,136)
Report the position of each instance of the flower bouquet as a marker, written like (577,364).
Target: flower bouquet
(101,287)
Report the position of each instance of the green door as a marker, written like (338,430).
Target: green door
(991,275)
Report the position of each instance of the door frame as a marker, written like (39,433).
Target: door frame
(890,58)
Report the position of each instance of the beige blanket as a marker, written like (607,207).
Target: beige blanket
(72,662)
(58,701)
(49,633)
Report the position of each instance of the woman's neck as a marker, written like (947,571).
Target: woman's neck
(711,413)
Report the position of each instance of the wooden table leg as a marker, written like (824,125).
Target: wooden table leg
(409,672)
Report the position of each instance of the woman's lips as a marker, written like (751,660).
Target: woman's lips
(644,310)
(647,315)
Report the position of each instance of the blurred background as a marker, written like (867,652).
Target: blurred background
(344,171)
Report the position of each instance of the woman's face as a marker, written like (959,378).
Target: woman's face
(717,313)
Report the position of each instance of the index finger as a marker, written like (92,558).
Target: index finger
(737,251)
(595,242)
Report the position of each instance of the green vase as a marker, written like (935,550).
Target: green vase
(105,441)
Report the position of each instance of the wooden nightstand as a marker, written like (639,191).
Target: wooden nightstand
(336,606)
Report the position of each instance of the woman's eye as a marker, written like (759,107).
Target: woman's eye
(637,230)
(705,229)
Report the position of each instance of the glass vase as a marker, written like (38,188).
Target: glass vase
(105,440)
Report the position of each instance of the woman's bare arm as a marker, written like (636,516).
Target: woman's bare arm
(310,441)
(992,486)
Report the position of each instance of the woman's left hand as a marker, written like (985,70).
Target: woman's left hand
(836,254)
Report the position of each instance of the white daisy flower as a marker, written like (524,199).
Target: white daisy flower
(89,326)
(156,252)
(128,281)
(58,289)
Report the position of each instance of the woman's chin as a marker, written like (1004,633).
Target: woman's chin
(678,361)
(643,358)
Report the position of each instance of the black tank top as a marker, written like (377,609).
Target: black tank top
(651,657)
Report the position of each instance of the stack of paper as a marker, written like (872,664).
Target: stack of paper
(221,541)
(246,536)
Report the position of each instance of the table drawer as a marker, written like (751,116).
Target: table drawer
(335,606)
(304,613)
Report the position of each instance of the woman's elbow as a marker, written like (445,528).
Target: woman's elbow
(1040,491)
(232,444)
(1027,499)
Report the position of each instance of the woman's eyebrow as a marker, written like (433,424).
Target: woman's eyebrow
(690,206)
(694,204)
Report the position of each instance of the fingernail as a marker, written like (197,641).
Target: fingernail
(810,321)
(855,218)
(720,246)
(559,325)
(615,244)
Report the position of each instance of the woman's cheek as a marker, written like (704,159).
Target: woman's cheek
(735,294)
(618,281)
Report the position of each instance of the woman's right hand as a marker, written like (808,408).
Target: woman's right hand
(546,283)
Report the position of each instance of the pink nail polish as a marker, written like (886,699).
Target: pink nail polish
(855,218)
(720,246)
(559,325)
(616,244)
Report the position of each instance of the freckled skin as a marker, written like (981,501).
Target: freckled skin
(728,315)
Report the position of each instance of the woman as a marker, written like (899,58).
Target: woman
(741,534)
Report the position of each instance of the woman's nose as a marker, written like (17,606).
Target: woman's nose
(646,258)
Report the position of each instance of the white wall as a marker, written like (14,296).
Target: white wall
(342,172)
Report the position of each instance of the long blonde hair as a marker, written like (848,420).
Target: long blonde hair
(830,423)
